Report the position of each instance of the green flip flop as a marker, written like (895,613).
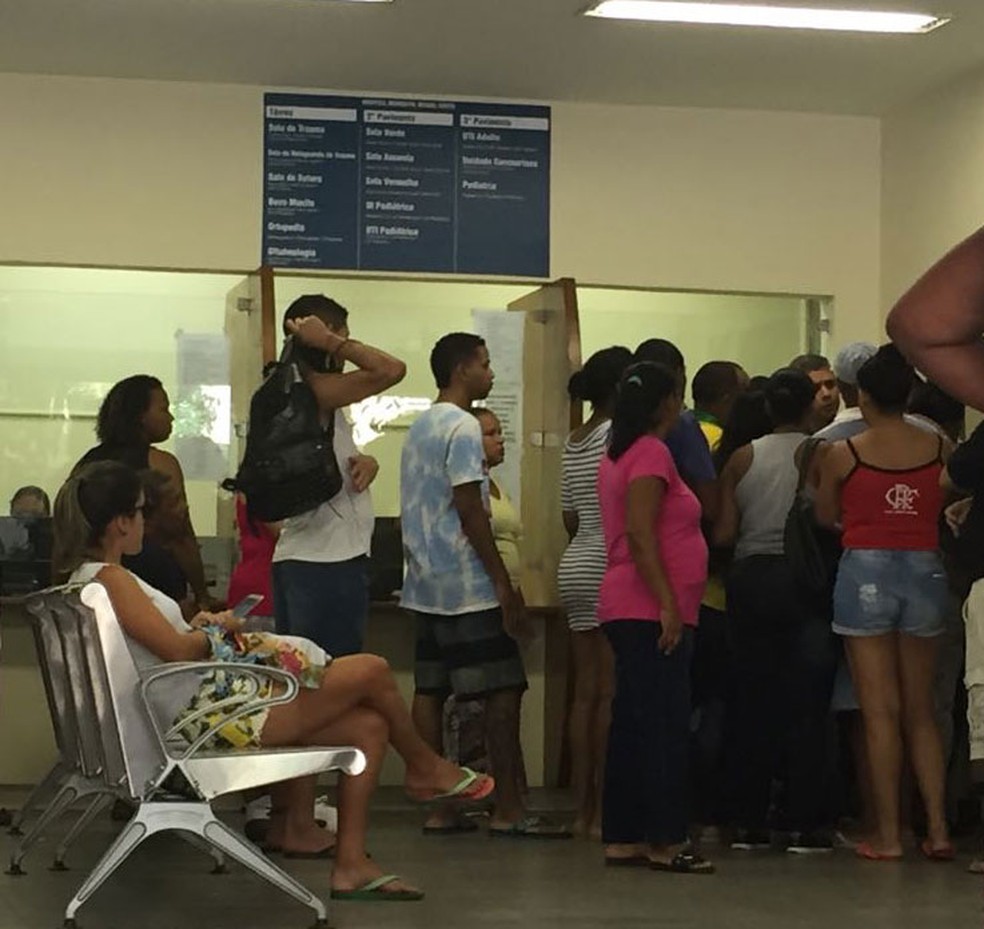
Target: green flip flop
(462,791)
(374,892)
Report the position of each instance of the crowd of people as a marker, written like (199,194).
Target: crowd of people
(714,684)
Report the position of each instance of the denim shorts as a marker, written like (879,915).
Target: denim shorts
(883,590)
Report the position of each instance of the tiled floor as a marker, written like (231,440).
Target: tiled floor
(472,881)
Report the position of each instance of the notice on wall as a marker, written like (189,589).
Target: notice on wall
(406,185)
(503,334)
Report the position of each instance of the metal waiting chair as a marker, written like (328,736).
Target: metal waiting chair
(147,760)
(77,774)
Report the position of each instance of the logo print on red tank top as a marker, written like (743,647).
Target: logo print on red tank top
(901,499)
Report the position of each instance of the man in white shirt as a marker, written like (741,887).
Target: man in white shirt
(321,562)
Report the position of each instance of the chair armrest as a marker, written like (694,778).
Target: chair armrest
(232,708)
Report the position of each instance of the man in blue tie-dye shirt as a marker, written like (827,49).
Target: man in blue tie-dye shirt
(468,612)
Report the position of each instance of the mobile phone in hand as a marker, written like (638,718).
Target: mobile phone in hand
(246,606)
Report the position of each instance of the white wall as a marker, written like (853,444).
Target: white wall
(166,174)
(933,180)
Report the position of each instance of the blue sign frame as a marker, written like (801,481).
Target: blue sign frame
(444,186)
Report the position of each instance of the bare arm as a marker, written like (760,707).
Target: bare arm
(709,495)
(572,523)
(375,371)
(182,543)
(725,531)
(642,506)
(938,323)
(144,623)
(834,469)
(478,530)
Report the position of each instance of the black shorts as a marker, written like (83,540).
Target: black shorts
(468,655)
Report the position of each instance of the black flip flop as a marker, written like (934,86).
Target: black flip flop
(458,828)
(301,856)
(684,863)
(629,861)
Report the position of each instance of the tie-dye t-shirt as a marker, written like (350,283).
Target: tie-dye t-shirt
(445,576)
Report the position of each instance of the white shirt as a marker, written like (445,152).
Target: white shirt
(849,422)
(338,530)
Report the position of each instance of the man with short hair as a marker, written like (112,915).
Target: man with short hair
(321,562)
(468,613)
(847,422)
(715,388)
(686,442)
(827,399)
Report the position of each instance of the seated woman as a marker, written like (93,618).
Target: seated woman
(98,519)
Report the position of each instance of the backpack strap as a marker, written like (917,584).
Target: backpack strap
(809,447)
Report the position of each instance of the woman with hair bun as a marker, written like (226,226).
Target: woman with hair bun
(784,657)
(579,578)
(648,606)
(890,600)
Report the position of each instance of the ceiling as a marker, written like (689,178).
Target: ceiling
(517,49)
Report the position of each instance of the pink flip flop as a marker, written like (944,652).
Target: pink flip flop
(946,853)
(865,851)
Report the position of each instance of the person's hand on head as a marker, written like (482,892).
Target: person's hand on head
(312,331)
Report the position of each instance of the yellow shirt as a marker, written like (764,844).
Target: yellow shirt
(508,531)
(712,432)
(714,594)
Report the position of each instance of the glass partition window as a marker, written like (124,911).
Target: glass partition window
(68,334)
(406,318)
(761,333)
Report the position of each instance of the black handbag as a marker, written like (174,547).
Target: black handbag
(289,466)
(812,551)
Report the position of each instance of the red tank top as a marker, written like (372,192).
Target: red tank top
(893,509)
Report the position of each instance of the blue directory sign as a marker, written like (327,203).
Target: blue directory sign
(406,185)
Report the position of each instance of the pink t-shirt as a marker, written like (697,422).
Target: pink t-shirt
(624,594)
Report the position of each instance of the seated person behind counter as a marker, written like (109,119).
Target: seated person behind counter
(98,519)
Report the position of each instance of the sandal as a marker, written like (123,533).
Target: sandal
(471,788)
(531,827)
(868,853)
(460,826)
(944,854)
(684,863)
(626,861)
(375,891)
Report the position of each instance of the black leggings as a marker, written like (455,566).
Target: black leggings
(648,744)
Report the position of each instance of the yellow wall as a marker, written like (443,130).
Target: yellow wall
(933,180)
(169,174)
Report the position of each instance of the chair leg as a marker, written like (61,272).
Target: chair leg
(240,849)
(134,832)
(98,804)
(47,785)
(195,840)
(65,797)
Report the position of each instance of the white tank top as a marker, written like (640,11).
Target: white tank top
(765,494)
(169,697)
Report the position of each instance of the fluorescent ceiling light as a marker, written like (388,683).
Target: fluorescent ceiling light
(782,17)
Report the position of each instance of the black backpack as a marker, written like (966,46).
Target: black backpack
(812,552)
(289,466)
